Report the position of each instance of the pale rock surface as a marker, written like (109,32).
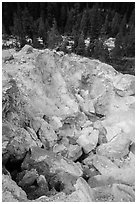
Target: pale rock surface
(11,192)
(88,139)
(125,174)
(123,193)
(124,85)
(74,152)
(7,55)
(118,147)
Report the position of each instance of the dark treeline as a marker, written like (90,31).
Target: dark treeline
(97,21)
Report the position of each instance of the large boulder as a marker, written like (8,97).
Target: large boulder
(118,147)
(88,139)
(7,55)
(124,85)
(11,192)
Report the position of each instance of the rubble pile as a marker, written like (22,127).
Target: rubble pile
(67,129)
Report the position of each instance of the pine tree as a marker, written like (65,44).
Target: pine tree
(27,22)
(80,49)
(117,51)
(105,27)
(94,28)
(18,28)
(70,21)
(115,24)
(100,51)
(83,23)
(53,38)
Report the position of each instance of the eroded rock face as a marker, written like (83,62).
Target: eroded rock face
(68,129)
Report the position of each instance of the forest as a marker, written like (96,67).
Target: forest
(78,21)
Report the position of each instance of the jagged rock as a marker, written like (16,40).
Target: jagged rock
(67,166)
(101,180)
(6,55)
(50,162)
(34,136)
(123,193)
(103,194)
(47,134)
(123,121)
(28,179)
(20,144)
(11,192)
(102,132)
(118,147)
(74,152)
(27,49)
(60,148)
(88,139)
(83,191)
(55,122)
(63,181)
(124,85)
(125,174)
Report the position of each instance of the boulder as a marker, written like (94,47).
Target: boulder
(47,134)
(28,179)
(74,152)
(125,174)
(27,49)
(20,144)
(118,147)
(55,122)
(88,139)
(124,85)
(123,193)
(6,55)
(101,180)
(11,192)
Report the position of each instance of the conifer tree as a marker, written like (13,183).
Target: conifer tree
(53,38)
(115,24)
(80,49)
(18,28)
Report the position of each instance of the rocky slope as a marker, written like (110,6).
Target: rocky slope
(67,129)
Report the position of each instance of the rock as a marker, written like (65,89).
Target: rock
(51,163)
(102,132)
(11,192)
(124,85)
(123,121)
(83,191)
(47,134)
(74,152)
(123,193)
(125,174)
(67,166)
(34,136)
(27,49)
(89,172)
(6,56)
(118,147)
(88,139)
(103,194)
(63,181)
(55,122)
(60,148)
(101,180)
(20,143)
(28,179)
